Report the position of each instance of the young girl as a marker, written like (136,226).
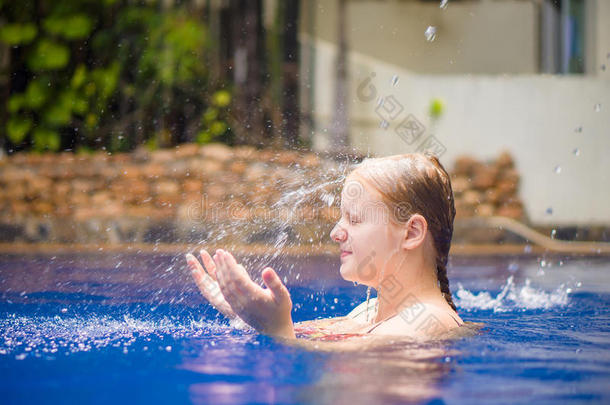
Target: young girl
(394,235)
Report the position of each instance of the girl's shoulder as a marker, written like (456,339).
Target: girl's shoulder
(358,314)
(422,321)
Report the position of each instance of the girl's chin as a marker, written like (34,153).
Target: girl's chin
(345,273)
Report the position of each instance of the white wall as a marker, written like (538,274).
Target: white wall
(393,31)
(532,116)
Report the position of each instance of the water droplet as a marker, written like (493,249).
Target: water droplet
(549,211)
(576,152)
(430,33)
(444,4)
(553,233)
(384,124)
(168,348)
(557,169)
(394,80)
(597,107)
(578,129)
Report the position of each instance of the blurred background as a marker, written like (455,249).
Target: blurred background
(125,121)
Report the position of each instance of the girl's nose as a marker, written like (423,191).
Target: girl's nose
(338,234)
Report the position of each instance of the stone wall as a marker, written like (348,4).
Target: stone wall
(192,193)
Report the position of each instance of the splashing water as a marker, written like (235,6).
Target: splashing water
(48,335)
(394,81)
(278,221)
(512,298)
(380,101)
(430,33)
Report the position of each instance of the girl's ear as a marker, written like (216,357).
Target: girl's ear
(415,231)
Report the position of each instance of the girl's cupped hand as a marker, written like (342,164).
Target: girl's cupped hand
(229,288)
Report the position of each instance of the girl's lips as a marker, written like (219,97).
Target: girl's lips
(344,253)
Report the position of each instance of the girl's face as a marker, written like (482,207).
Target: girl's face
(367,238)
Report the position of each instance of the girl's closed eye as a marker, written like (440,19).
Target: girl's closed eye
(354,220)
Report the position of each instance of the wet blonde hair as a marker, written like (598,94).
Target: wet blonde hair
(417,183)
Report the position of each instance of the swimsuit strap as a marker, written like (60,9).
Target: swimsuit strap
(376,325)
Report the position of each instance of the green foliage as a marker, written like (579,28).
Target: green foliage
(174,50)
(214,118)
(221,98)
(18,34)
(437,107)
(46,139)
(70,27)
(48,55)
(17,128)
(99,72)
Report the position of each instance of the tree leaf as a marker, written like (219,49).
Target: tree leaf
(15,102)
(221,98)
(18,34)
(79,77)
(60,112)
(36,94)
(75,26)
(48,55)
(17,128)
(46,139)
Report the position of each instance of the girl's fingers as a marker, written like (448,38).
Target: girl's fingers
(238,287)
(239,270)
(219,269)
(275,285)
(209,288)
(239,276)
(203,281)
(208,262)
(224,280)
(193,263)
(200,276)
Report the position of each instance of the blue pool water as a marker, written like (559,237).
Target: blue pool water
(131,328)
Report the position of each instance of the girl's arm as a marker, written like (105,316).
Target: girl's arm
(227,286)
